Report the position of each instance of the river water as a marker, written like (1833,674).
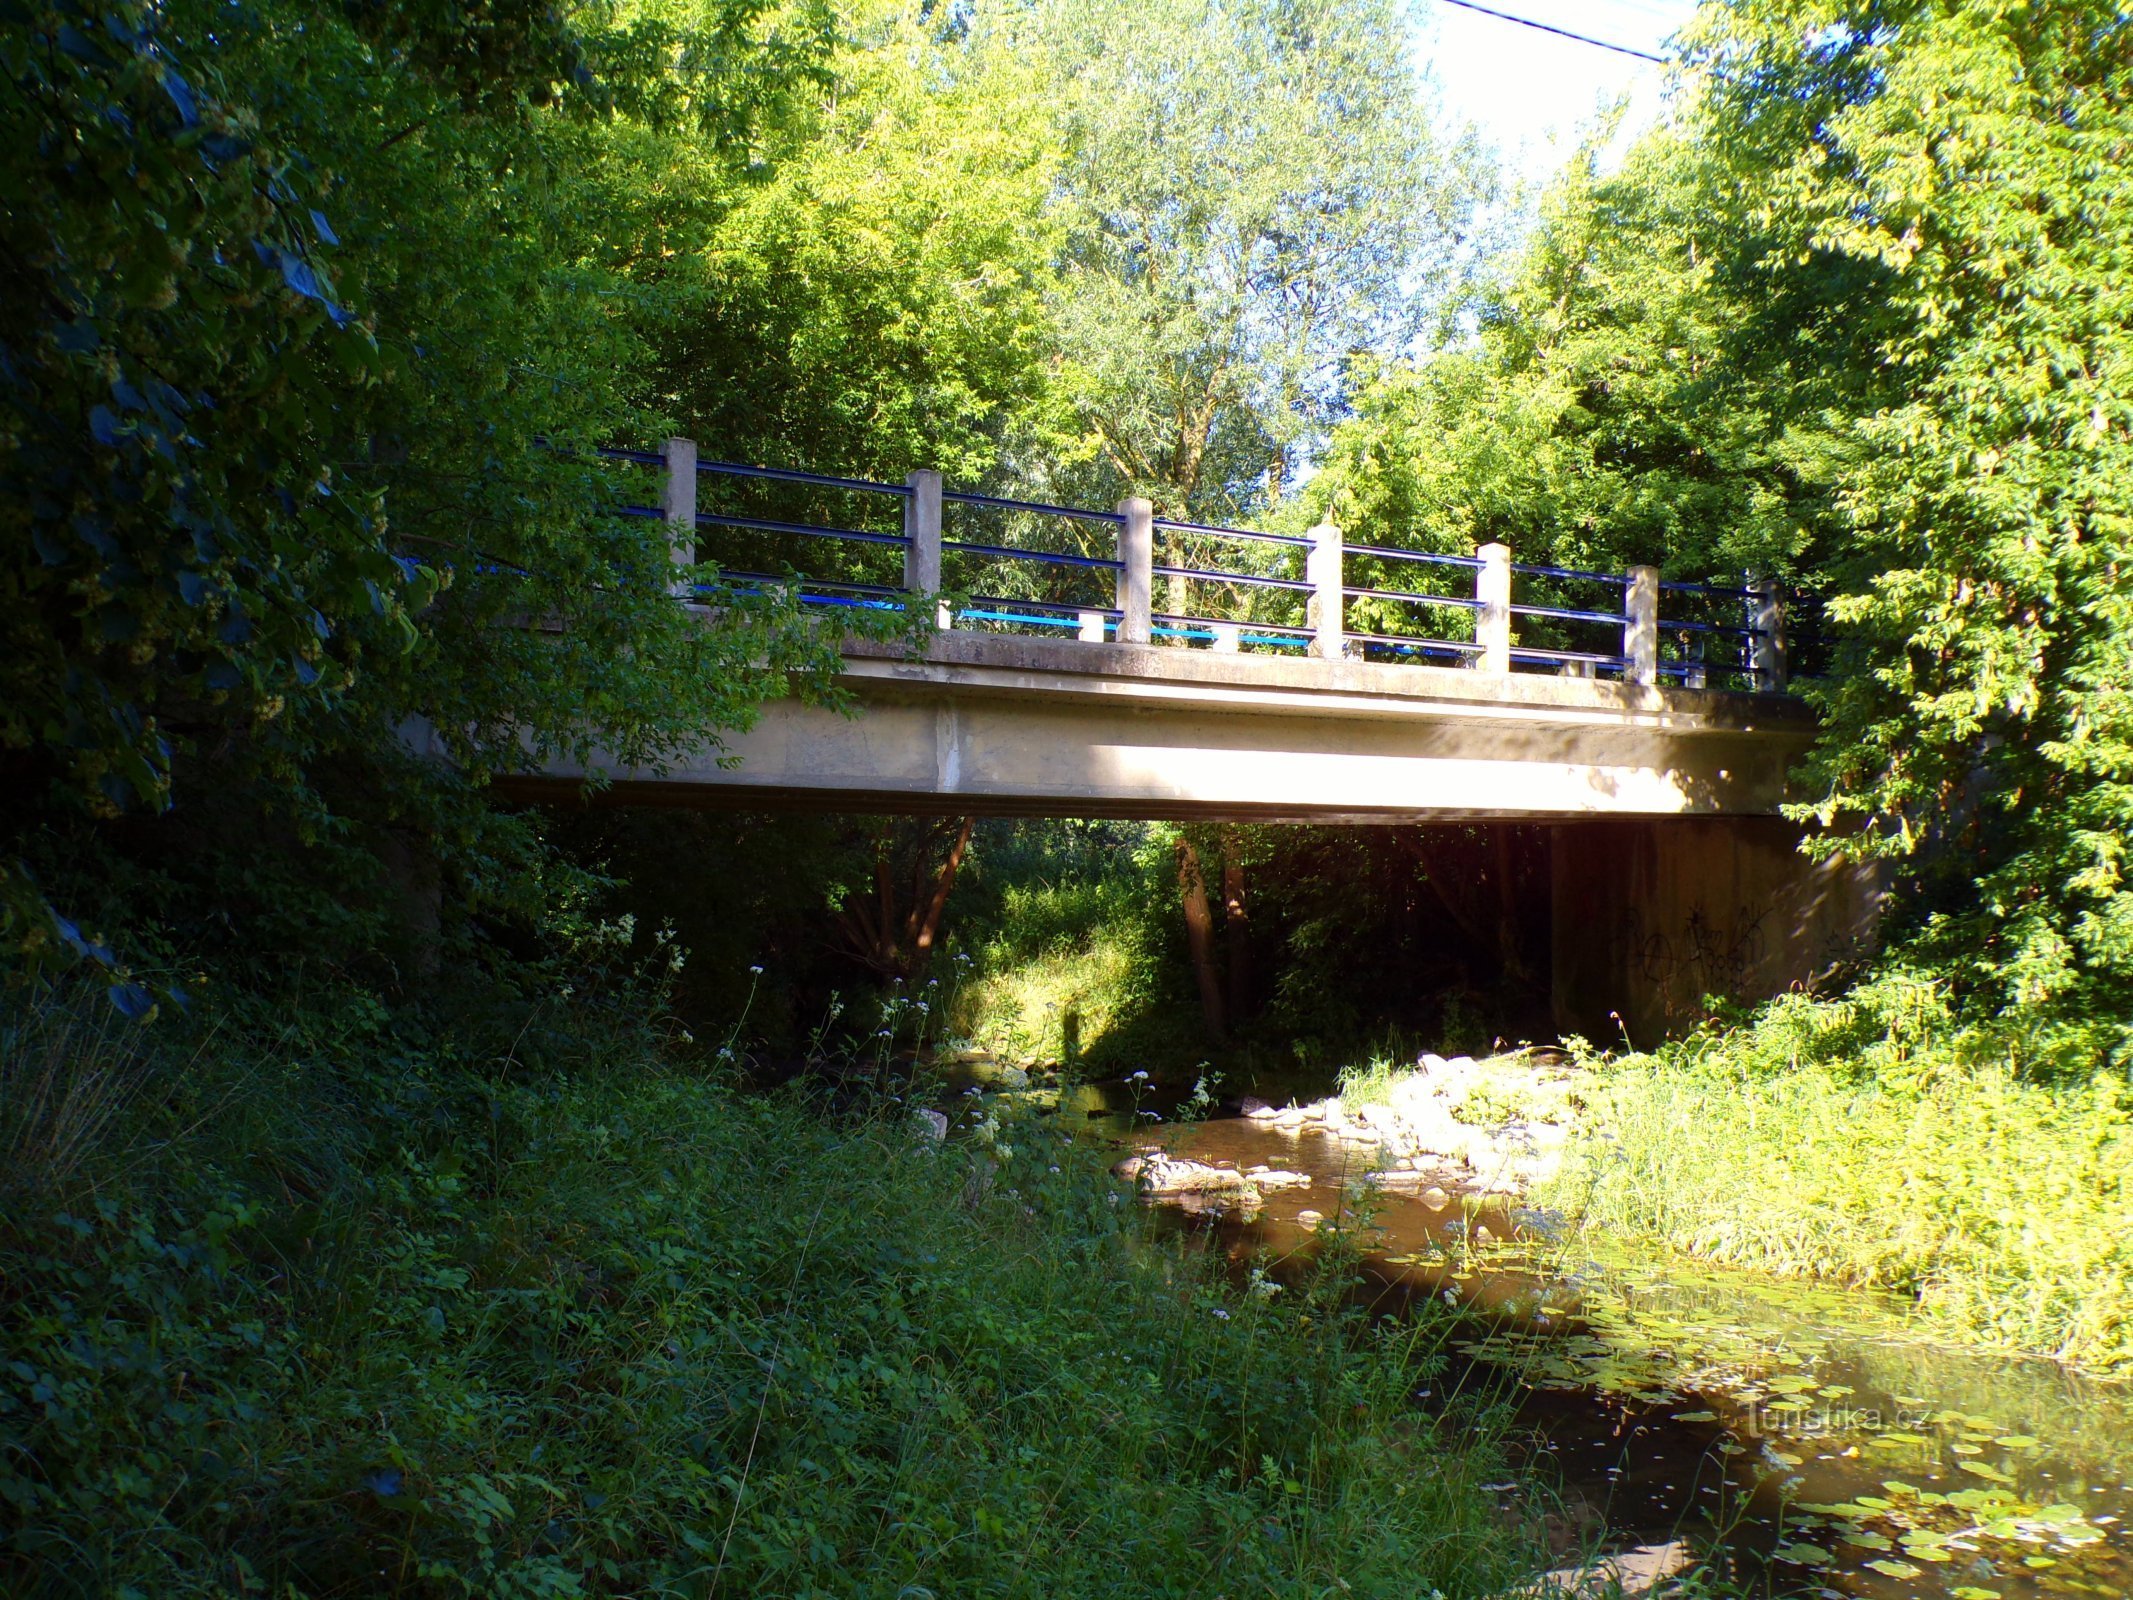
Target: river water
(1811,1438)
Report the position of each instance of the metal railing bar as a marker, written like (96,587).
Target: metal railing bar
(1682,586)
(643,458)
(852,602)
(737,469)
(1562,614)
(719,519)
(1012,616)
(1264,627)
(961,498)
(1522,653)
(1617,579)
(1250,581)
(1472,563)
(1108,613)
(1419,641)
(795,581)
(1458,602)
(1055,557)
(1163,525)
(1666,625)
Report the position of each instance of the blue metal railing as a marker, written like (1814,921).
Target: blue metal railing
(1269,604)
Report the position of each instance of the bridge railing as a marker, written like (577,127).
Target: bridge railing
(1027,566)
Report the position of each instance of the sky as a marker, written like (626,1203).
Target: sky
(1529,91)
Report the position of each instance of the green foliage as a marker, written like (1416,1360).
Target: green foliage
(1251,195)
(1872,1141)
(514,1306)
(1079,973)
(1962,160)
(309,328)
(1350,935)
(872,301)
(1856,319)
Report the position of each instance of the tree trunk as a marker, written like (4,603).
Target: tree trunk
(929,923)
(1200,937)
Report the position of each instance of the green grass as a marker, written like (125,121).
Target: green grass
(343,1304)
(1077,971)
(1871,1141)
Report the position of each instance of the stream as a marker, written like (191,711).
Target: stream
(1804,1432)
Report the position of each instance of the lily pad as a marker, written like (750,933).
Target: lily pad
(1985,1470)
(1804,1555)
(1894,1569)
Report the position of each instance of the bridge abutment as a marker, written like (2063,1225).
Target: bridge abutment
(1649,915)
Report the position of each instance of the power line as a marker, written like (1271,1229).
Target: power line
(1563,33)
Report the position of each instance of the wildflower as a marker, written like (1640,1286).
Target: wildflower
(1220,1314)
(1138,1077)
(757,971)
(1051,1169)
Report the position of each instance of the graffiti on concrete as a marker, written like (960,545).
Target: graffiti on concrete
(1699,957)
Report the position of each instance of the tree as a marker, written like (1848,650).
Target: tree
(1859,320)
(1968,161)
(306,326)
(1251,194)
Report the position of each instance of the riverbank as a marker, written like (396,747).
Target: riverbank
(523,1302)
(2002,1208)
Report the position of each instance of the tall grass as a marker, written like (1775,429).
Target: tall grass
(1079,972)
(526,1309)
(1874,1143)
(64,1080)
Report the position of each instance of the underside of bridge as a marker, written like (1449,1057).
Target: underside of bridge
(1673,874)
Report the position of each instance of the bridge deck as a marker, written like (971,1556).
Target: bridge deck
(1007,725)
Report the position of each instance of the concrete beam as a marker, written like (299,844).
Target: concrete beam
(677,507)
(1492,620)
(1006,725)
(1136,575)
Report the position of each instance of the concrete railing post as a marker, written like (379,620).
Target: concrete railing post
(1229,638)
(1766,645)
(1092,626)
(1693,675)
(922,533)
(1492,621)
(677,504)
(1328,605)
(1136,577)
(1640,626)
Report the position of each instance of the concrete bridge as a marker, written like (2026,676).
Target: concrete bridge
(1006,725)
(1671,864)
(1254,695)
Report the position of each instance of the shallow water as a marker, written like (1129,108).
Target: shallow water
(1811,1433)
